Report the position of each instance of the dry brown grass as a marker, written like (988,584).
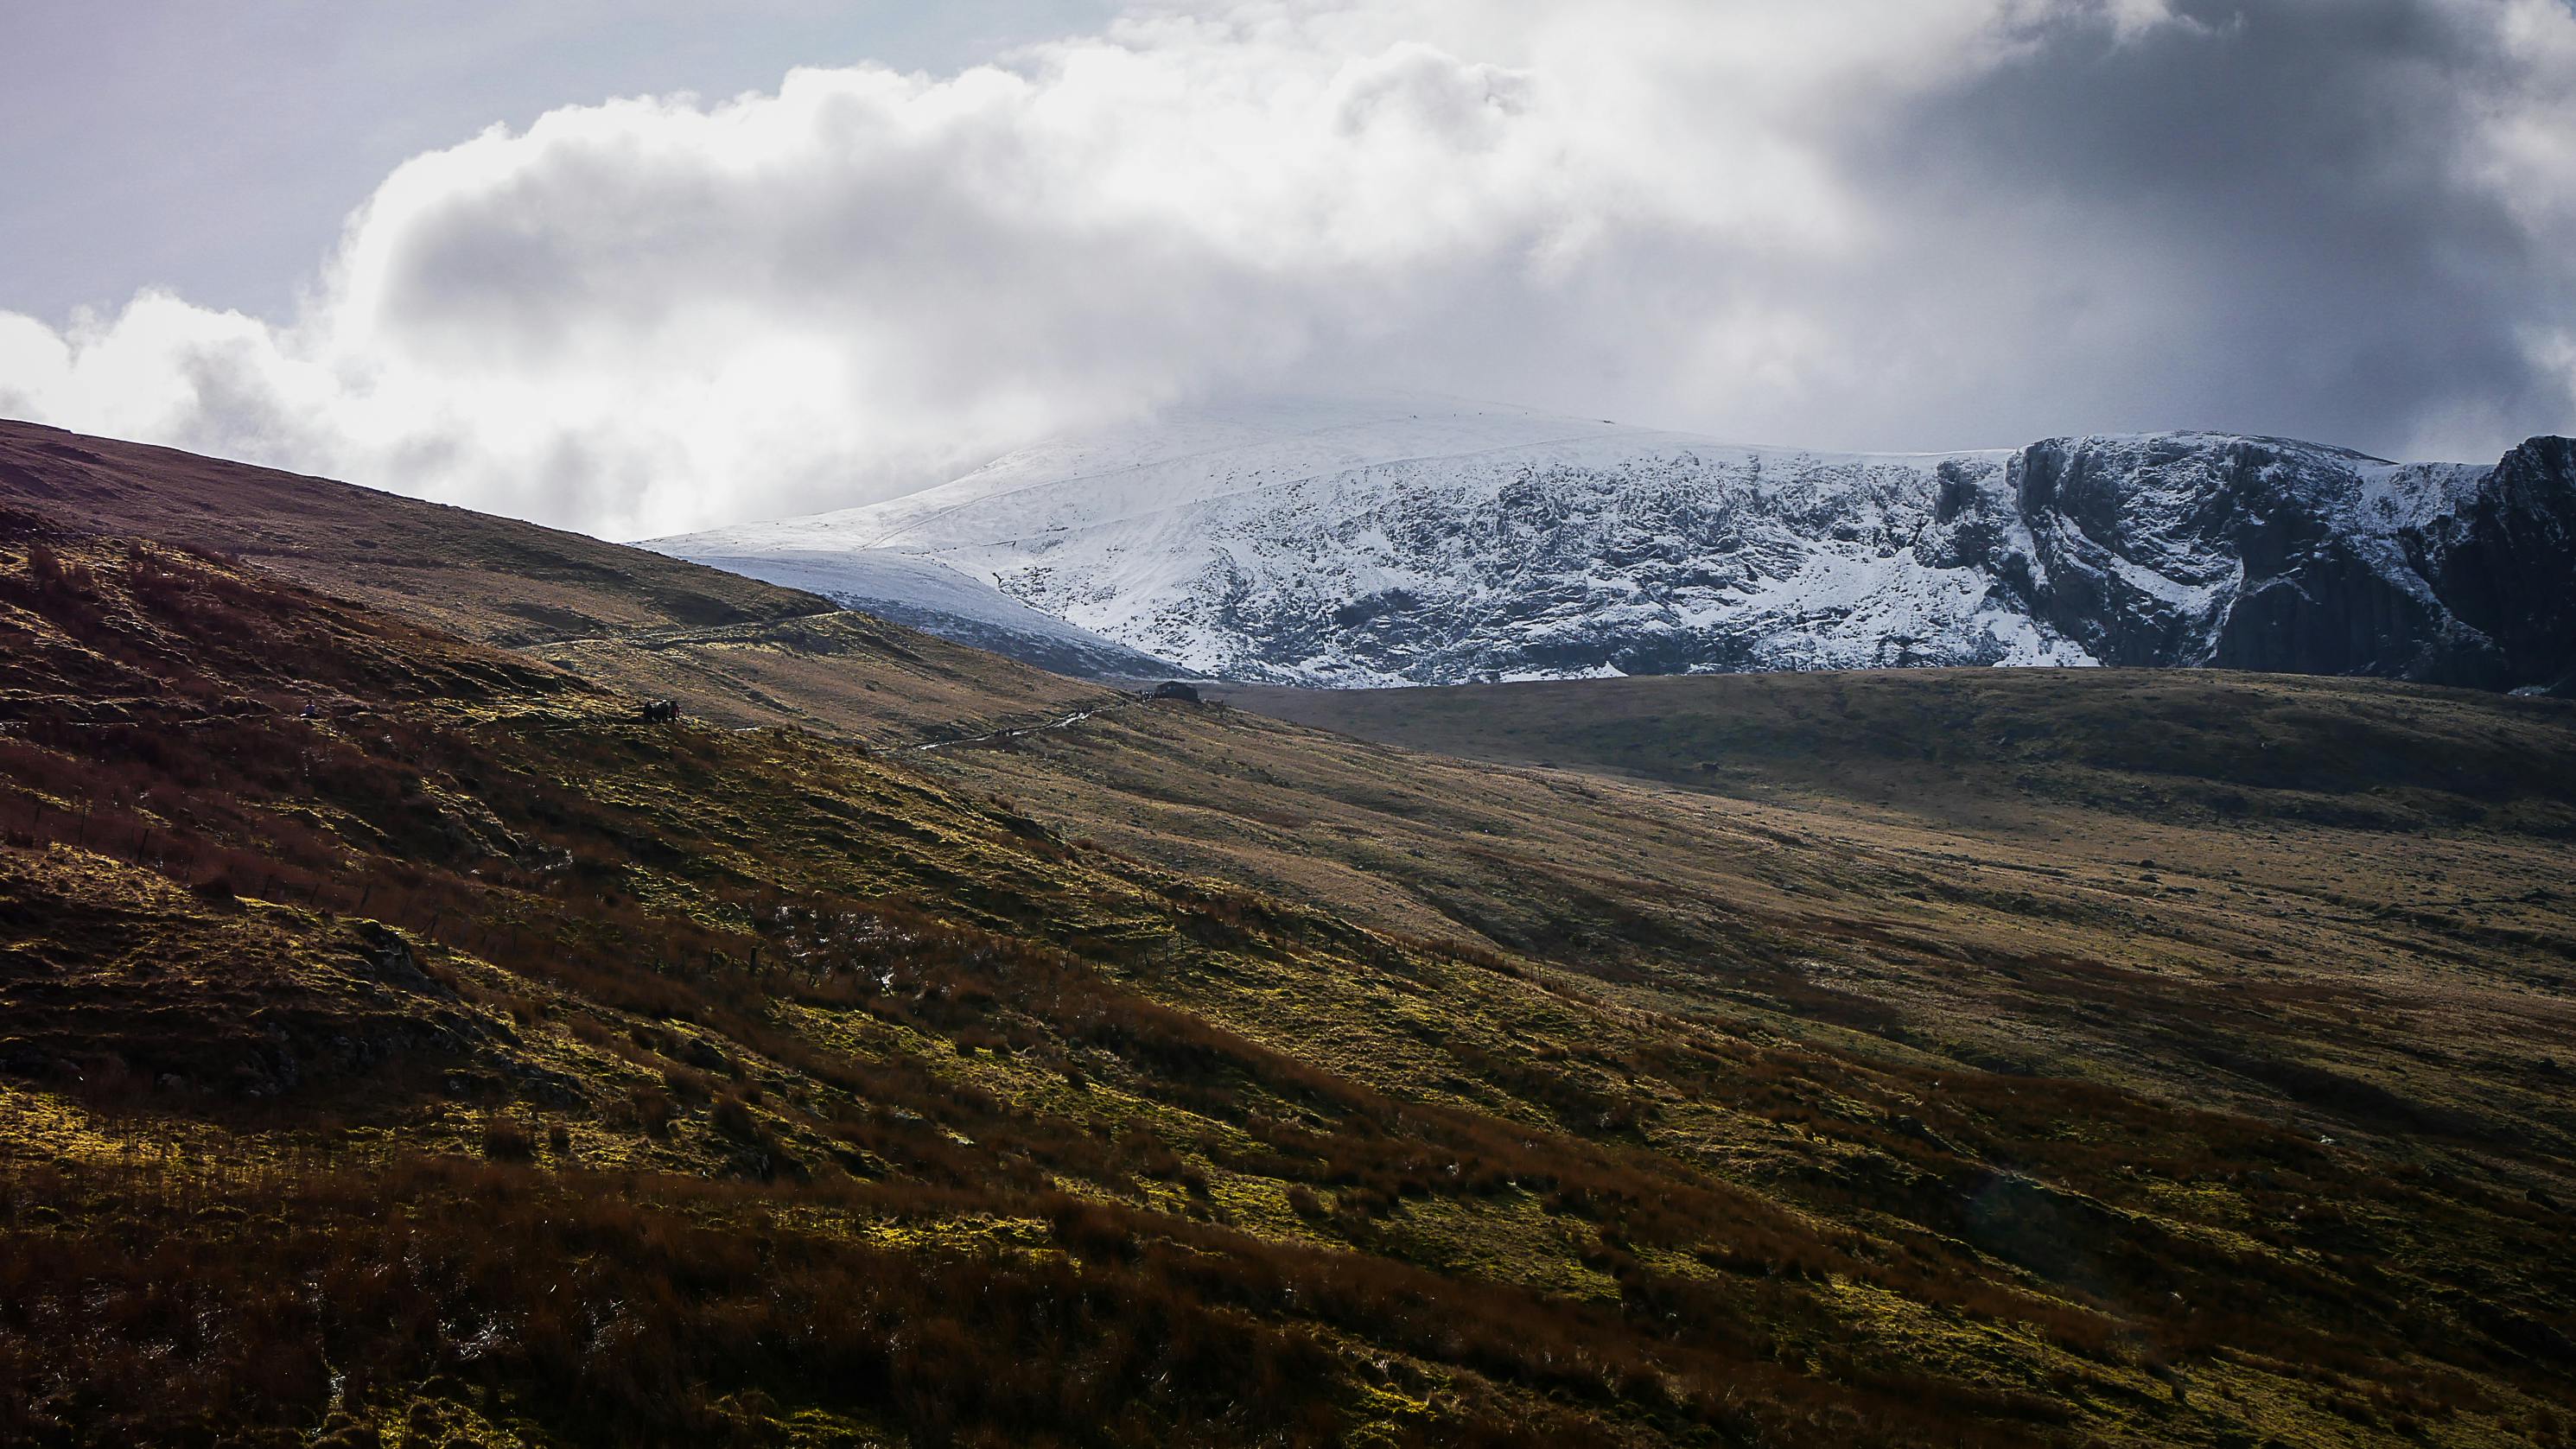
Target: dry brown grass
(1230,1083)
(467,573)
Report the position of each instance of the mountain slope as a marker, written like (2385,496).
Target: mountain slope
(2161,746)
(727,647)
(924,594)
(1429,541)
(469,1061)
(483,577)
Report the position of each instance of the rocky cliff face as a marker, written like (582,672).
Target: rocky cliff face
(2242,553)
(1355,543)
(2501,564)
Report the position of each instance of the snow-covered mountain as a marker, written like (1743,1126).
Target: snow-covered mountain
(1423,540)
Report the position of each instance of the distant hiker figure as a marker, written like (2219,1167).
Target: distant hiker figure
(661,711)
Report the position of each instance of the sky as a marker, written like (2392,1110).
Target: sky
(644,267)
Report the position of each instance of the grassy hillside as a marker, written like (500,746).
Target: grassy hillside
(728,648)
(472,574)
(2300,958)
(842,673)
(2168,744)
(465,1062)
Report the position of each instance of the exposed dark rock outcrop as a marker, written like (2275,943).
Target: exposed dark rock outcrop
(2505,562)
(2256,553)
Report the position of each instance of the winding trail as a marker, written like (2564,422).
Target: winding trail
(1075,718)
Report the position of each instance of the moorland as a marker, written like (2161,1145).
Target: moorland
(404,1042)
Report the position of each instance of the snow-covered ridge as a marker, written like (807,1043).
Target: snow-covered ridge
(1421,540)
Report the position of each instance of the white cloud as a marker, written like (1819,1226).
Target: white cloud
(1863,222)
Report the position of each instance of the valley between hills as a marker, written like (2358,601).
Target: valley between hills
(402,1042)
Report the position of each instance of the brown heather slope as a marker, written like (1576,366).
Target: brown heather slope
(842,673)
(471,574)
(2391,964)
(1174,1074)
(2159,743)
(729,648)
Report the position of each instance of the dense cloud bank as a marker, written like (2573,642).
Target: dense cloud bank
(1855,223)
